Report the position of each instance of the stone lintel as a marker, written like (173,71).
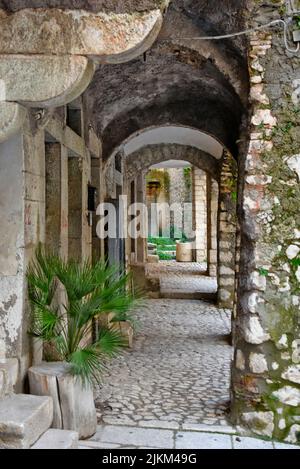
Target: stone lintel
(109,37)
(44,80)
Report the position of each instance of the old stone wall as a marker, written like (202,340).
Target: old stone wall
(200,214)
(39,192)
(266,375)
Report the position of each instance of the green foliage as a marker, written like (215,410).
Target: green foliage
(161,176)
(295,262)
(172,247)
(161,241)
(164,256)
(187,173)
(90,291)
(263,272)
(297,21)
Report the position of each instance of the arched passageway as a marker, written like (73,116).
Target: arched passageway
(143,91)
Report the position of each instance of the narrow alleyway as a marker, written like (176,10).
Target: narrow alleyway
(178,371)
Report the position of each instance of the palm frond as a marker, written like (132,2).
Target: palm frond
(91,290)
(86,364)
(45,323)
(109,342)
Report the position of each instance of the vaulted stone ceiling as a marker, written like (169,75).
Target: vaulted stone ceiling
(203,84)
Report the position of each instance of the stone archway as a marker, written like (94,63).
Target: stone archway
(201,85)
(206,153)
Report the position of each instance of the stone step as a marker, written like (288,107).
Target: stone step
(172,253)
(187,295)
(23,419)
(153,259)
(8,376)
(57,439)
(152,246)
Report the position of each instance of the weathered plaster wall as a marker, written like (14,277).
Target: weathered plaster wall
(11,246)
(266,375)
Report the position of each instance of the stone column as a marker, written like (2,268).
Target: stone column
(56,199)
(64,211)
(96,175)
(86,245)
(11,247)
(22,179)
(75,207)
(212,209)
(141,242)
(227,232)
(200,214)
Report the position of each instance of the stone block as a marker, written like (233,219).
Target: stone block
(261,423)
(124,328)
(288,395)
(125,435)
(251,443)
(11,368)
(258,363)
(74,407)
(153,259)
(196,440)
(57,439)
(23,419)
(292,374)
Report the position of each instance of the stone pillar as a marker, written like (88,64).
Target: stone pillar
(141,242)
(22,179)
(200,213)
(11,247)
(75,207)
(227,232)
(86,245)
(57,199)
(133,242)
(212,231)
(96,175)
(64,210)
(266,372)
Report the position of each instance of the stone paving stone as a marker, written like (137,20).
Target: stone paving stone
(285,446)
(195,440)
(159,424)
(88,444)
(251,443)
(211,429)
(134,436)
(178,371)
(57,439)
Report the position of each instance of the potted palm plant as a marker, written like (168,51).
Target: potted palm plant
(66,326)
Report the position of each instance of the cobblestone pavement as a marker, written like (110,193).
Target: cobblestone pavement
(124,437)
(157,269)
(178,371)
(181,280)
